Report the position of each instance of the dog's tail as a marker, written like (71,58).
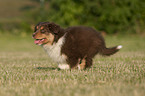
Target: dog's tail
(110,51)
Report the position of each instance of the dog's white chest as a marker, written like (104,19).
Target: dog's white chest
(54,51)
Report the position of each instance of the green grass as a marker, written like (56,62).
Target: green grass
(26,70)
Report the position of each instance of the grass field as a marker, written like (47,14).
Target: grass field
(26,70)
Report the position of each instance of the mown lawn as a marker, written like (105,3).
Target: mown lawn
(26,70)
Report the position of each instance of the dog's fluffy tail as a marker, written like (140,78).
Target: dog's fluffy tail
(110,51)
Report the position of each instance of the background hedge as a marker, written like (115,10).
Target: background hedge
(110,16)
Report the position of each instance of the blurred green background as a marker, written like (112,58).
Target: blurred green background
(108,16)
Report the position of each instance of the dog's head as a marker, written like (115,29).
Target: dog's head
(45,33)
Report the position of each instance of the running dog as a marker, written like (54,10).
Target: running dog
(73,47)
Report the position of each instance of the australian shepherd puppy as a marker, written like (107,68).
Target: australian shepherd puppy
(73,47)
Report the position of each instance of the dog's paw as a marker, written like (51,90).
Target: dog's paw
(63,66)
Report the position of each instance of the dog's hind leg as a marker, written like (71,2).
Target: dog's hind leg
(81,64)
(88,62)
(73,62)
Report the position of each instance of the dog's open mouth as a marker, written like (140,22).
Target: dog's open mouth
(40,41)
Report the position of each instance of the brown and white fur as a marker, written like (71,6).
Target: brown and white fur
(73,47)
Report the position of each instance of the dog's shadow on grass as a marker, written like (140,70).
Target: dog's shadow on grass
(47,68)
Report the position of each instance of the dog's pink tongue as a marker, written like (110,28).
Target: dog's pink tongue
(37,41)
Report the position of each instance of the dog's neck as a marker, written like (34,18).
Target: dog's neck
(54,50)
(59,35)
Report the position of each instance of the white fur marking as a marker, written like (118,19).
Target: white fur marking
(119,47)
(54,51)
(78,67)
(63,66)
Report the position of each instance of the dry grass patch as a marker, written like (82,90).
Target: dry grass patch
(25,70)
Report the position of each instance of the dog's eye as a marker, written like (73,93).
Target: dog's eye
(42,31)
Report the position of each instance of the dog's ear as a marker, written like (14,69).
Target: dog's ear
(36,27)
(54,28)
